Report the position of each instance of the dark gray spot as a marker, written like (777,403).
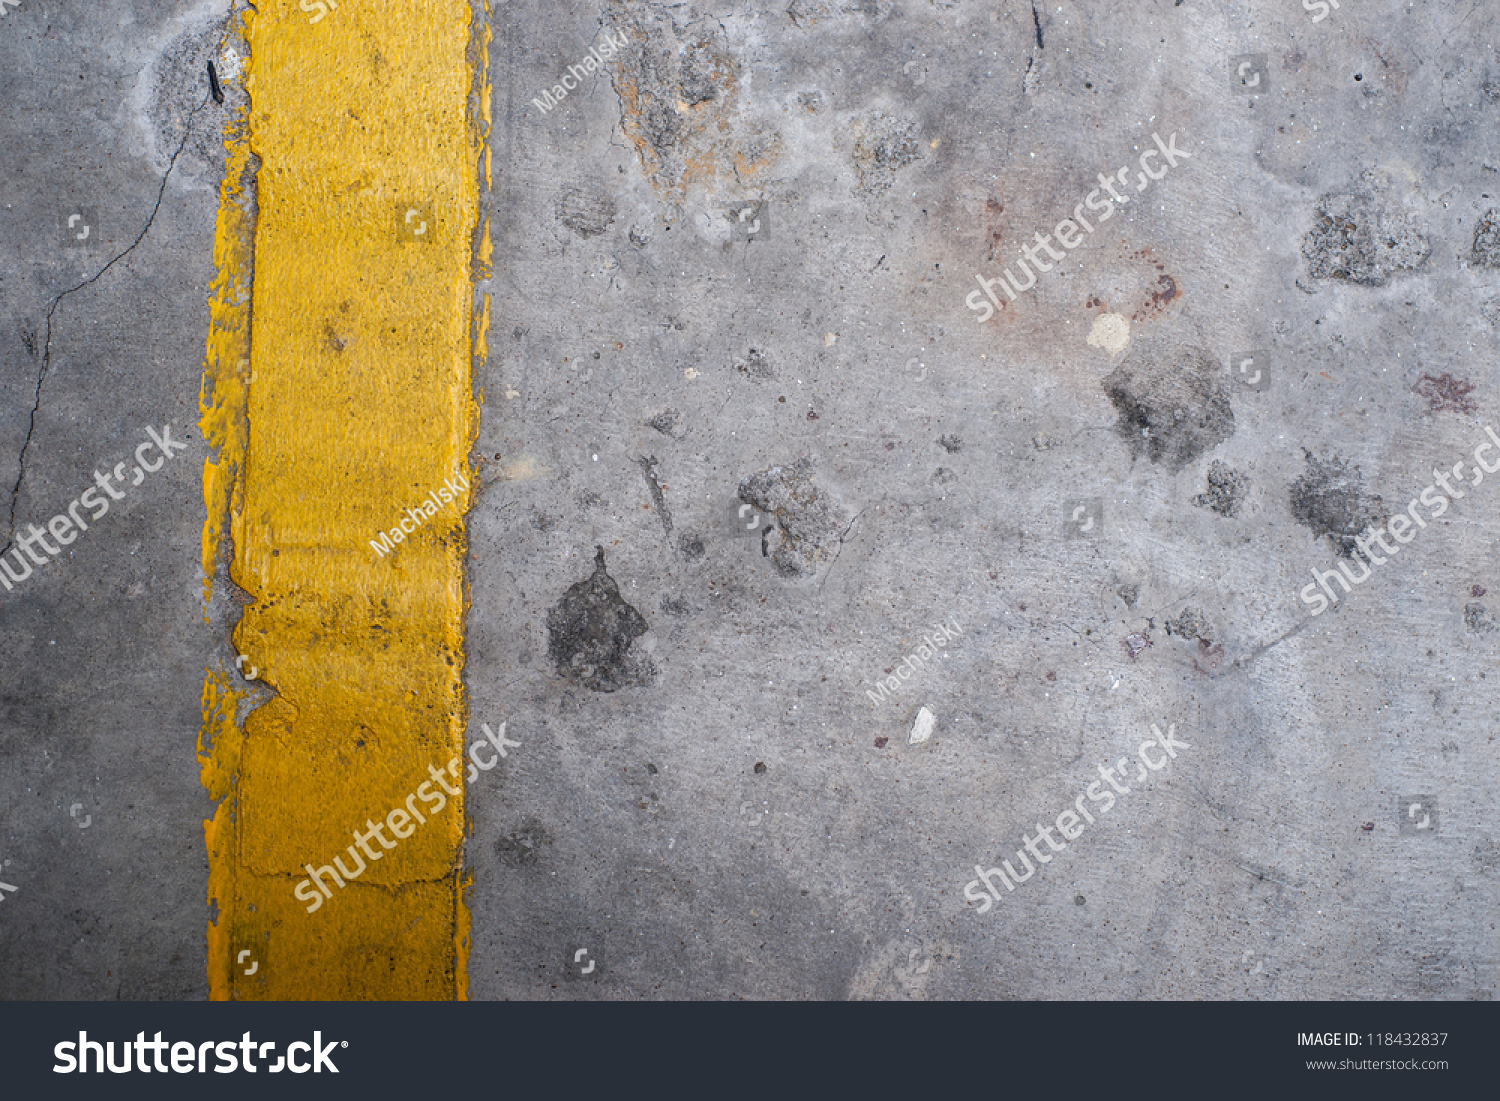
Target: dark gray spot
(760,766)
(674,606)
(1361,238)
(951,444)
(669,423)
(1172,403)
(882,146)
(584,212)
(1331,500)
(702,70)
(1487,239)
(1190,623)
(756,366)
(1227,489)
(522,847)
(1487,856)
(589,633)
(943,476)
(691,546)
(1478,619)
(1129,593)
(808,521)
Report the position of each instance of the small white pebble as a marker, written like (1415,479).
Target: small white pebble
(921,730)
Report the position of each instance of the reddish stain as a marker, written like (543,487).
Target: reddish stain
(1368,826)
(811,415)
(1446,394)
(1159,299)
(1477,591)
(1051,676)
(880,743)
(1022,607)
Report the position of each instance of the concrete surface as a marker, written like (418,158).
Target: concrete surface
(705,802)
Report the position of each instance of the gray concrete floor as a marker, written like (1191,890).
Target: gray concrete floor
(706,800)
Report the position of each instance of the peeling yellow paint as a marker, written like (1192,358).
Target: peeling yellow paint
(371,130)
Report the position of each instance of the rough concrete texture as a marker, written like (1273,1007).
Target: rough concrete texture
(732,269)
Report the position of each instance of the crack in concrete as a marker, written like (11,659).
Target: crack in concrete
(15,493)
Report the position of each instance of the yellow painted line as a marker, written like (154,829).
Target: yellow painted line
(338,393)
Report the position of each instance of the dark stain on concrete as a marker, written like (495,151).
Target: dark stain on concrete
(1172,402)
(669,422)
(647,463)
(1486,247)
(809,523)
(1477,618)
(756,366)
(1227,489)
(589,633)
(585,212)
(1330,499)
(1446,394)
(1360,238)
(882,146)
(1190,623)
(524,845)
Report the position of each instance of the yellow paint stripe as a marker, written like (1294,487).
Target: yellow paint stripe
(359,403)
